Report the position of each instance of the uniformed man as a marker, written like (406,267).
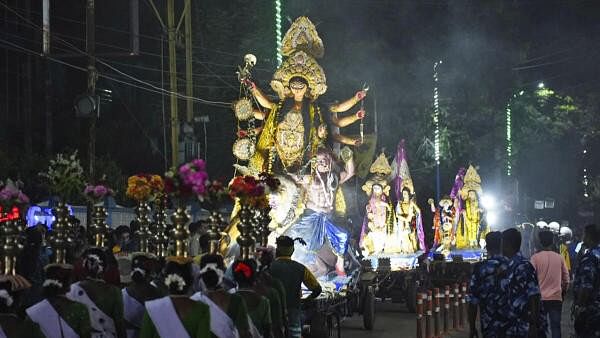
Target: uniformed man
(486,292)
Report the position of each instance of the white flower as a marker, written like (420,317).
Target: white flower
(54,282)
(8,300)
(174,278)
(141,271)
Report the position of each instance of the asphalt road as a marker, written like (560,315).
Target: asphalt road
(391,321)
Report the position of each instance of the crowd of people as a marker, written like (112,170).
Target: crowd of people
(519,297)
(99,295)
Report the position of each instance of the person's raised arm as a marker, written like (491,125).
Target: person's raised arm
(344,106)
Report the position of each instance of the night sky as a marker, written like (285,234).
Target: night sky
(490,50)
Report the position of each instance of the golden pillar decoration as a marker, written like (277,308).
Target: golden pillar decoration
(215,234)
(159,238)
(11,246)
(245,239)
(99,228)
(60,239)
(181,234)
(265,220)
(142,212)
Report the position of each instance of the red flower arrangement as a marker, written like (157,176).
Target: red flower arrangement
(251,191)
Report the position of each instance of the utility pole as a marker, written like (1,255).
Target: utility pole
(47,80)
(189,84)
(90,48)
(27,141)
(173,82)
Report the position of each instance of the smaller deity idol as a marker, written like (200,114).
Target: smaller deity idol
(444,218)
(472,227)
(379,218)
(403,238)
(316,225)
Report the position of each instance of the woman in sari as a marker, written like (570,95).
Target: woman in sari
(259,308)
(229,314)
(56,315)
(139,291)
(176,315)
(104,301)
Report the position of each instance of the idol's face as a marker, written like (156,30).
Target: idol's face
(472,195)
(323,163)
(405,195)
(377,190)
(298,89)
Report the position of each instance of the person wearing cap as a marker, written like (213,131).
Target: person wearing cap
(104,301)
(56,315)
(176,315)
(228,311)
(293,274)
(143,266)
(273,289)
(9,321)
(259,308)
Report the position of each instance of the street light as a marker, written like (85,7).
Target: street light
(540,85)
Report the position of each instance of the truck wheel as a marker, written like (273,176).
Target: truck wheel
(411,296)
(369,310)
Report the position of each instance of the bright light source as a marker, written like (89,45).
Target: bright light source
(585,151)
(541,85)
(492,219)
(488,202)
(521,92)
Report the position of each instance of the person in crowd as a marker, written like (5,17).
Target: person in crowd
(292,274)
(259,308)
(143,267)
(524,315)
(486,293)
(229,314)
(9,287)
(124,240)
(553,278)
(176,315)
(273,289)
(586,284)
(56,315)
(104,301)
(31,262)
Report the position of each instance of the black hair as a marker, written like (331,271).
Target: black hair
(546,238)
(298,79)
(511,239)
(266,258)
(285,241)
(58,281)
(244,272)
(493,241)
(211,278)
(204,241)
(592,233)
(123,229)
(142,268)
(94,262)
(174,273)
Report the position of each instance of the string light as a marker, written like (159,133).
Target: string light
(585,181)
(436,113)
(278,31)
(508,140)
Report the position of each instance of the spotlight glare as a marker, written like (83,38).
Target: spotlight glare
(541,85)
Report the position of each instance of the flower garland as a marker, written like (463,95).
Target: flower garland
(144,187)
(64,176)
(189,180)
(175,278)
(97,193)
(53,282)
(253,192)
(215,268)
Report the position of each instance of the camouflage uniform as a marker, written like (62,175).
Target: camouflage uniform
(522,283)
(486,292)
(587,276)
